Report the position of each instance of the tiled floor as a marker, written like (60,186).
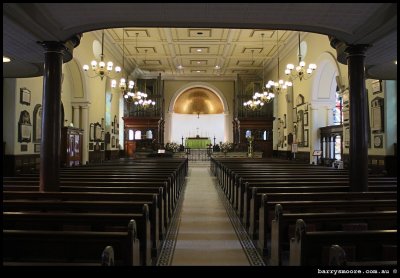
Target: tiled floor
(204,230)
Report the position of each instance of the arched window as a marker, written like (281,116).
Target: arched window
(130,135)
(338,110)
(138,135)
(37,123)
(248,133)
(149,134)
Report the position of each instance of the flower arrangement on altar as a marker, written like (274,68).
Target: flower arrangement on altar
(173,147)
(227,146)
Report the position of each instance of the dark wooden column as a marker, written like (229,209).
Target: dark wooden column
(358,154)
(51,116)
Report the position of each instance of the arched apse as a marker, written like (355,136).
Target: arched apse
(205,112)
(204,85)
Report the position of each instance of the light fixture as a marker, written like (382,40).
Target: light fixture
(276,87)
(142,101)
(266,96)
(99,68)
(126,86)
(300,72)
(254,103)
(6,59)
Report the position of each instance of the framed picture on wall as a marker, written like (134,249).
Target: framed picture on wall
(284,120)
(376,86)
(305,118)
(97,132)
(294,116)
(377,113)
(24,127)
(347,137)
(305,143)
(91,132)
(36,148)
(25,96)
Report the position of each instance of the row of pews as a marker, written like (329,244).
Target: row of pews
(300,214)
(115,213)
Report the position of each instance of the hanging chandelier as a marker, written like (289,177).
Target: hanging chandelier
(255,103)
(267,95)
(300,71)
(276,87)
(126,86)
(142,101)
(99,68)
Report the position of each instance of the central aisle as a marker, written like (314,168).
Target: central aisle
(206,235)
(205,231)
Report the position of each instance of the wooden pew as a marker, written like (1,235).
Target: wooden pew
(156,212)
(30,247)
(281,225)
(338,257)
(173,191)
(101,222)
(252,201)
(107,259)
(309,196)
(307,248)
(267,211)
(89,186)
(129,207)
(244,192)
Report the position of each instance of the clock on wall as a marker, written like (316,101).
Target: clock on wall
(96,49)
(303,50)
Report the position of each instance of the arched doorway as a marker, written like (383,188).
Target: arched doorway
(324,106)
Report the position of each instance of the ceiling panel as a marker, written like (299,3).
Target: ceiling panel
(225,32)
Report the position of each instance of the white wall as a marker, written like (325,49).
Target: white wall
(210,125)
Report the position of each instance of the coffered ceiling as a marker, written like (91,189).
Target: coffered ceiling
(196,52)
(26,24)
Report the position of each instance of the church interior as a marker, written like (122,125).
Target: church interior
(177,134)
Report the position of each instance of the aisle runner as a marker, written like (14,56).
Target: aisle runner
(201,233)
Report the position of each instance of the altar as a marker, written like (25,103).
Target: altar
(197,142)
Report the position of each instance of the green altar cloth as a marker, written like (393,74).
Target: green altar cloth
(197,143)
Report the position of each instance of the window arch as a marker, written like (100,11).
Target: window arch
(138,135)
(338,109)
(37,123)
(248,133)
(149,134)
(130,134)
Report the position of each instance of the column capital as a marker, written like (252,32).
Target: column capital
(53,46)
(356,49)
(83,104)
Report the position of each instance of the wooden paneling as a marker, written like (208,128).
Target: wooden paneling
(15,165)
